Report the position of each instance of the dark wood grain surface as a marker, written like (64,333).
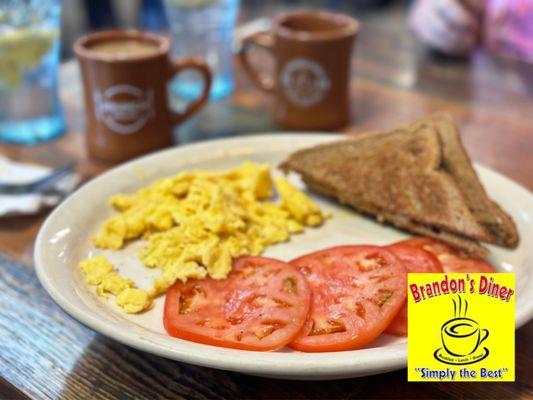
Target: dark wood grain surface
(46,354)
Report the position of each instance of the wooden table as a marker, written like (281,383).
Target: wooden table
(46,354)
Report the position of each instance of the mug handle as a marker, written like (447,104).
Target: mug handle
(191,63)
(485,335)
(265,41)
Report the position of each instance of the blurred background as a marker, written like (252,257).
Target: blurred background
(460,50)
(230,21)
(82,16)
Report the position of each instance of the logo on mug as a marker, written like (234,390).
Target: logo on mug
(461,338)
(124,109)
(304,82)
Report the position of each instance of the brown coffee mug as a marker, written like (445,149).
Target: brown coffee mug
(312,52)
(125,77)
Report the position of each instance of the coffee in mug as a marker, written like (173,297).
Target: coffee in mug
(312,52)
(125,77)
(124,48)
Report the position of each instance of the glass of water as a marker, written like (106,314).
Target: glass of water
(203,28)
(30,110)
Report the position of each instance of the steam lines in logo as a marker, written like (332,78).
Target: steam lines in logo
(457,311)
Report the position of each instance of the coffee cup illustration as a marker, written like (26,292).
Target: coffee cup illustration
(461,338)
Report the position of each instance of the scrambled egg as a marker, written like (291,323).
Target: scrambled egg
(99,271)
(194,224)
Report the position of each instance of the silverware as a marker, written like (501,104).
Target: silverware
(41,185)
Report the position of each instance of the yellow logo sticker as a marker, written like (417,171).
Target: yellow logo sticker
(461,327)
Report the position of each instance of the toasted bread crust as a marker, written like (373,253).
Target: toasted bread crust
(398,172)
(466,245)
(413,178)
(457,163)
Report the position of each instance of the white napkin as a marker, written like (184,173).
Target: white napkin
(26,204)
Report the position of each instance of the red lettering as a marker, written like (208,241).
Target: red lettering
(414,292)
(483,284)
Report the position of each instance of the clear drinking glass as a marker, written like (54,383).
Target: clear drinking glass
(30,110)
(203,28)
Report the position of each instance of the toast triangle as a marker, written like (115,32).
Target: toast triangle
(412,177)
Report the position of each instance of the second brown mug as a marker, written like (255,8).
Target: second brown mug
(312,52)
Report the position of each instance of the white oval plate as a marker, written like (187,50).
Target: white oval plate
(64,240)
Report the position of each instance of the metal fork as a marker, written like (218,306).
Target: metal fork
(40,185)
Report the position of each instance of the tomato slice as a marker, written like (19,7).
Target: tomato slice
(414,259)
(451,259)
(356,293)
(261,305)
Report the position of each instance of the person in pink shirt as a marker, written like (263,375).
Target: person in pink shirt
(457,27)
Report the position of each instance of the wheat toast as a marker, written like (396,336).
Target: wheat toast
(408,177)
